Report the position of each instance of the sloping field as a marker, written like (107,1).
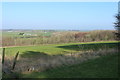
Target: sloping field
(39,61)
(54,49)
(102,67)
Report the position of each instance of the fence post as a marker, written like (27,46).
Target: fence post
(71,54)
(3,55)
(15,59)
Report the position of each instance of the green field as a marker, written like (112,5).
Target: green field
(54,49)
(32,33)
(103,67)
(98,67)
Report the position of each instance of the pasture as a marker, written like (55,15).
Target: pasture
(103,67)
(54,49)
(44,61)
(27,33)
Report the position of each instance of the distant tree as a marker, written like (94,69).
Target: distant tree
(21,33)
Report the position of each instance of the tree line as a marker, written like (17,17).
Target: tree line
(61,37)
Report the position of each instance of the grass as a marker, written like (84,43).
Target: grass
(0,70)
(105,66)
(102,67)
(54,49)
(16,34)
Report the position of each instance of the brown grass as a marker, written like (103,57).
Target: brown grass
(27,65)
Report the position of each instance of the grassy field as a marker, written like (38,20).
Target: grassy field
(32,33)
(54,49)
(49,64)
(103,67)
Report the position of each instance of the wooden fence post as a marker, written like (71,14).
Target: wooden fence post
(15,59)
(3,55)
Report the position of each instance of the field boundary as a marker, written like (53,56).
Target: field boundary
(64,43)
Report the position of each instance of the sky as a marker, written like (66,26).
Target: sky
(59,15)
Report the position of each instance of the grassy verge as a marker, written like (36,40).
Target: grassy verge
(103,67)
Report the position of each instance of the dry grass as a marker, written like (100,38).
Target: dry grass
(0,70)
(0,64)
(30,64)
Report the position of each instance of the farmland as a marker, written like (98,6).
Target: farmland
(96,68)
(53,58)
(59,52)
(38,37)
(53,49)
(59,40)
